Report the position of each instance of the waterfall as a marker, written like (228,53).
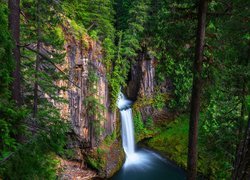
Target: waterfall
(142,163)
(127,131)
(128,142)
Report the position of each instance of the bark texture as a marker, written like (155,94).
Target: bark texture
(14,26)
(196,91)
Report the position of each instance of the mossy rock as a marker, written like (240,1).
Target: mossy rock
(108,158)
(115,159)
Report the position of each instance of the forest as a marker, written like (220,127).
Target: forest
(103,89)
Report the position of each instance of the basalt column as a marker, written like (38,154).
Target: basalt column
(141,83)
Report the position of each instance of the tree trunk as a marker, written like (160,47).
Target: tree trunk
(243,108)
(242,163)
(196,91)
(14,26)
(36,80)
(37,62)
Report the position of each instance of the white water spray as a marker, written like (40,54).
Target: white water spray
(128,142)
(141,161)
(127,132)
(127,125)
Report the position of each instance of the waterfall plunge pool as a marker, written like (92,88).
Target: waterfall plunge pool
(148,165)
(141,164)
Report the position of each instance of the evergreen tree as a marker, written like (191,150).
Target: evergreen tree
(196,91)
(14,26)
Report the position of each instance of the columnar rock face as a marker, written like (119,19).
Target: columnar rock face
(88,109)
(147,78)
(141,84)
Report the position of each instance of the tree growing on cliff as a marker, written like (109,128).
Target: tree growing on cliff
(196,91)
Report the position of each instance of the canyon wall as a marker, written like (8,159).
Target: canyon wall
(87,90)
(142,81)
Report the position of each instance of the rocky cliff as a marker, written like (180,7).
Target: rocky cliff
(88,110)
(88,94)
(142,81)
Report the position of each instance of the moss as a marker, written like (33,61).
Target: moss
(78,30)
(92,162)
(108,157)
(172,141)
(142,130)
(156,100)
(109,140)
(143,102)
(115,160)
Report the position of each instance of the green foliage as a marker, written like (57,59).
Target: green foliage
(219,133)
(134,22)
(97,16)
(173,141)
(93,163)
(143,102)
(29,146)
(36,158)
(11,123)
(138,125)
(143,130)
(6,61)
(164,29)
(93,35)
(214,156)
(182,81)
(149,123)
(95,109)
(109,52)
(159,100)
(97,159)
(118,77)
(7,143)
(109,140)
(11,118)
(32,161)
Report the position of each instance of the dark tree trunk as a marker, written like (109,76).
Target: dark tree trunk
(242,163)
(243,108)
(36,80)
(14,26)
(37,62)
(196,91)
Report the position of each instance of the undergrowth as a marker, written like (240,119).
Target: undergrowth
(172,141)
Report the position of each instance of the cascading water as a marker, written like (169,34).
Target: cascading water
(127,132)
(127,125)
(132,157)
(141,164)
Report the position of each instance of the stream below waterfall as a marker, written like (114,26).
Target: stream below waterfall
(147,165)
(141,164)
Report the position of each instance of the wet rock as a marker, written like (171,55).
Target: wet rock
(115,159)
(142,82)
(142,74)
